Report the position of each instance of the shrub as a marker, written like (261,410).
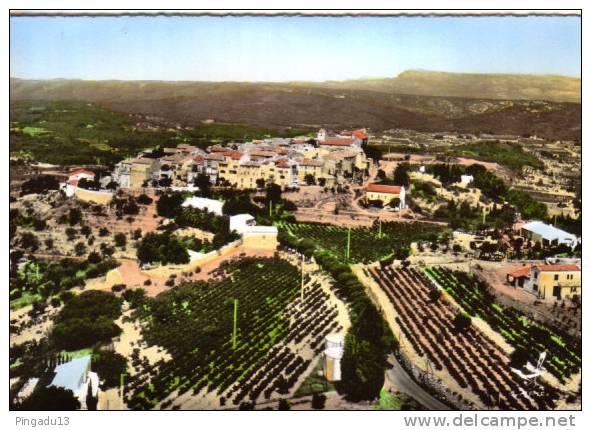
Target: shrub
(318,401)
(519,358)
(434,294)
(118,287)
(94,257)
(284,405)
(109,366)
(143,199)
(462,321)
(120,240)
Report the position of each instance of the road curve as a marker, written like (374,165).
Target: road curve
(401,381)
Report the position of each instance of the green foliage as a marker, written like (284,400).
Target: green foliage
(169,204)
(165,248)
(493,187)
(366,246)
(564,351)
(506,154)
(194,321)
(39,185)
(109,365)
(284,405)
(369,339)
(48,278)
(397,402)
(462,321)
(87,319)
(318,401)
(50,399)
(401,175)
(120,239)
(74,216)
(86,133)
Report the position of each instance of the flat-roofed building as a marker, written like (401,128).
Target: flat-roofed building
(547,235)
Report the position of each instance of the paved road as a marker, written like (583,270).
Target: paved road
(401,381)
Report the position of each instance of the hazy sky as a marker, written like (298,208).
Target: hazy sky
(284,48)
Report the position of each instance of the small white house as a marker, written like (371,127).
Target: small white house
(240,223)
(547,234)
(466,179)
(81,174)
(75,375)
(203,203)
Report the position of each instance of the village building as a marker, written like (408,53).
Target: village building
(548,281)
(547,235)
(78,174)
(136,173)
(75,375)
(248,165)
(202,203)
(386,194)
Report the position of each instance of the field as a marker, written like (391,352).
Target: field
(87,133)
(509,155)
(474,362)
(277,337)
(367,243)
(563,358)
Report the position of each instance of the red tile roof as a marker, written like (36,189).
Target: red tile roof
(282,163)
(389,189)
(79,171)
(520,273)
(217,148)
(360,134)
(234,155)
(558,268)
(336,141)
(311,162)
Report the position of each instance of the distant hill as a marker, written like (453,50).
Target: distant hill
(377,104)
(472,85)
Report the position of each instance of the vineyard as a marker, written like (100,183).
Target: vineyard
(366,243)
(470,358)
(564,354)
(277,337)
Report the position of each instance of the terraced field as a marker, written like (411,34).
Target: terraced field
(475,362)
(366,243)
(564,353)
(276,338)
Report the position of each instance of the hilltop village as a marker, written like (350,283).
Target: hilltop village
(307,272)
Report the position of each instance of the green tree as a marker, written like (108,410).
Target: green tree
(202,182)
(401,175)
(91,401)
(74,216)
(310,179)
(120,240)
(50,399)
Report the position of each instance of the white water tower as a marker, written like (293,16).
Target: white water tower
(335,346)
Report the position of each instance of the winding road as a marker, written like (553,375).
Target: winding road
(402,382)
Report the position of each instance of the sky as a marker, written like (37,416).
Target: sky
(288,48)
